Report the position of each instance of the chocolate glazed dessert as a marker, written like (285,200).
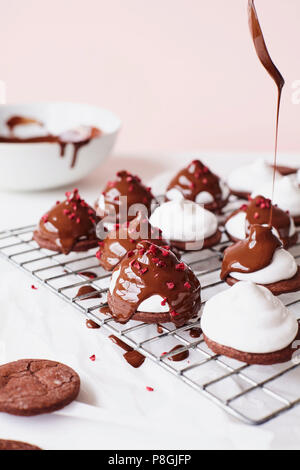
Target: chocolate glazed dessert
(69,226)
(195,179)
(73,136)
(258,211)
(254,254)
(115,208)
(150,275)
(124,238)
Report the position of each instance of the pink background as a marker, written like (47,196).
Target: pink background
(182,74)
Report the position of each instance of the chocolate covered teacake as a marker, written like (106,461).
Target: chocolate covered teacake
(122,198)
(259,211)
(69,226)
(260,258)
(124,238)
(151,285)
(198,184)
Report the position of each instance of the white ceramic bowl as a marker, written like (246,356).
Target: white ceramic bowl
(34,166)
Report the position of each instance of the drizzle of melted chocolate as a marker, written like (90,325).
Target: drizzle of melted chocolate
(92,325)
(159,329)
(126,185)
(181,356)
(133,357)
(252,254)
(125,238)
(151,270)
(265,59)
(15,121)
(194,179)
(68,223)
(105,310)
(89,274)
(70,137)
(85,290)
(120,343)
(195,332)
(260,211)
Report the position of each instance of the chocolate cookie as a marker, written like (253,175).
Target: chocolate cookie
(16,445)
(30,387)
(207,243)
(277,357)
(277,288)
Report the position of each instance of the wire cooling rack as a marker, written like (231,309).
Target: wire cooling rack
(254,394)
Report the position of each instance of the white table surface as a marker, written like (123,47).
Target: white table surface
(114,410)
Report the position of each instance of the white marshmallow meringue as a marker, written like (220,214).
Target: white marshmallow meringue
(246,178)
(184,221)
(249,318)
(283,266)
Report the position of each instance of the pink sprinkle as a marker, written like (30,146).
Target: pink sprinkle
(66,211)
(149,389)
(170,285)
(174,314)
(33,287)
(164,301)
(187,285)
(256,215)
(93,358)
(130,188)
(204,181)
(98,254)
(180,267)
(144,270)
(78,220)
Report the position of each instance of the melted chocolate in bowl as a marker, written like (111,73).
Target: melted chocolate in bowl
(74,137)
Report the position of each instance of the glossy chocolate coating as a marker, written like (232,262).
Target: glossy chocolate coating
(124,239)
(151,270)
(252,254)
(68,223)
(130,186)
(194,179)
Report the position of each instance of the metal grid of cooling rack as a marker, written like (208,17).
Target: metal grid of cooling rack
(254,394)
